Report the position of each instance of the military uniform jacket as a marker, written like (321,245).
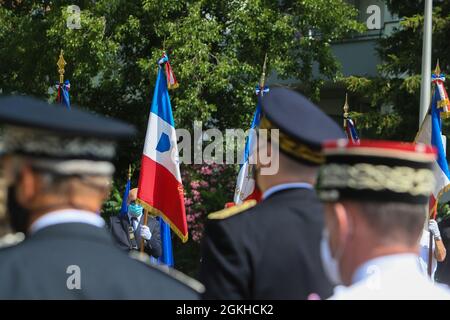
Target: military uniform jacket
(270,251)
(43,266)
(119,229)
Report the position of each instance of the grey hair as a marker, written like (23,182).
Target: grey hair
(61,184)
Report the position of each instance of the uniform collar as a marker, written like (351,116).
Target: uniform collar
(391,263)
(285,186)
(130,216)
(67,216)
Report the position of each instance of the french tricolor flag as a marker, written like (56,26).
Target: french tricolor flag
(431,133)
(350,130)
(160,187)
(246,188)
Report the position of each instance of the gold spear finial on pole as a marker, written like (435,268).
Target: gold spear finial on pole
(346,109)
(61,64)
(437,71)
(262,80)
(129,172)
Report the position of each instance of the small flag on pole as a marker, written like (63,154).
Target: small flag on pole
(63,87)
(349,125)
(160,188)
(124,207)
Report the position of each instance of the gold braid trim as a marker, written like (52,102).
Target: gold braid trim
(445,115)
(152,210)
(229,212)
(433,212)
(293,147)
(377,178)
(442,103)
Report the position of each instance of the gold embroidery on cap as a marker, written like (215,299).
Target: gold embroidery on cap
(292,147)
(378,177)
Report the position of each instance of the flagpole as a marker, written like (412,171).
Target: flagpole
(241,193)
(346,109)
(61,64)
(432,214)
(262,81)
(144,223)
(425,90)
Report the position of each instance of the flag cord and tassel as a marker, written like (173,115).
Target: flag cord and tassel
(172,82)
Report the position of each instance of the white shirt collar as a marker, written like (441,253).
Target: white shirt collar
(284,186)
(67,216)
(130,216)
(394,262)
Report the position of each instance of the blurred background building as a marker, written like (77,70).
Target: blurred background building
(358,57)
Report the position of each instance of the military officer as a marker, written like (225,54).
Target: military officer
(270,250)
(58,172)
(376,195)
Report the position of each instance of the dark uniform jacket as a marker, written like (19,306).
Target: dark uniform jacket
(119,229)
(270,251)
(44,266)
(443,268)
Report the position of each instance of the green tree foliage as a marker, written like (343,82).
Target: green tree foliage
(397,88)
(216,48)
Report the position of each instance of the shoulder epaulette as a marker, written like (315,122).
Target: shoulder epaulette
(229,212)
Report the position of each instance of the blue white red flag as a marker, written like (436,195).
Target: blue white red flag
(350,130)
(246,188)
(160,188)
(430,133)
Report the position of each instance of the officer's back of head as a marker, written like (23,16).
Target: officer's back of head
(376,196)
(291,134)
(58,171)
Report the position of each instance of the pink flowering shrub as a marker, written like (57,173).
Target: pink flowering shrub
(207,188)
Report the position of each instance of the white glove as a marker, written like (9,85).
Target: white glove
(145,233)
(434,229)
